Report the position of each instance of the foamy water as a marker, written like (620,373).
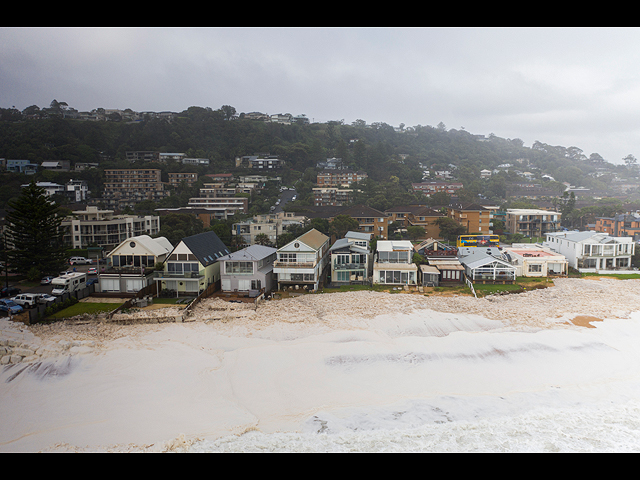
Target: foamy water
(420,382)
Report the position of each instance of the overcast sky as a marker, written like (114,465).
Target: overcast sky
(562,86)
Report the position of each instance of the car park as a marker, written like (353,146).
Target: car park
(9,291)
(26,300)
(9,306)
(46,280)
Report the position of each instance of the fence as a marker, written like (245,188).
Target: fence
(470,285)
(214,287)
(144,292)
(36,314)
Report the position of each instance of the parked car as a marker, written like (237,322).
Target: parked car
(9,292)
(92,271)
(91,281)
(46,280)
(26,300)
(9,306)
(79,261)
(46,298)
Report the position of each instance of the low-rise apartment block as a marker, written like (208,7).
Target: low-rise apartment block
(106,229)
(271,224)
(474,217)
(429,188)
(623,225)
(332,197)
(176,179)
(532,222)
(339,178)
(126,187)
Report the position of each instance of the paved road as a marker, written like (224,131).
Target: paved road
(285,198)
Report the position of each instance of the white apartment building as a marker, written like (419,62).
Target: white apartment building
(102,227)
(271,224)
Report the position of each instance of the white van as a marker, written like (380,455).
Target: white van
(68,283)
(26,300)
(79,261)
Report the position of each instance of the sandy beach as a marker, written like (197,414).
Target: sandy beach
(233,369)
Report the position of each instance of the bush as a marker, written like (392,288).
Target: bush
(34,274)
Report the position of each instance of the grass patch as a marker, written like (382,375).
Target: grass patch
(490,289)
(167,301)
(620,276)
(85,307)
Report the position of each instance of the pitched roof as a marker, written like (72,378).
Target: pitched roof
(155,246)
(207,247)
(479,258)
(468,206)
(362,211)
(313,238)
(251,253)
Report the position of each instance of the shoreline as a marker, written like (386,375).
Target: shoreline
(569,302)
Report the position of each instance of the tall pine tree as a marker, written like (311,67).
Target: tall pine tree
(35,233)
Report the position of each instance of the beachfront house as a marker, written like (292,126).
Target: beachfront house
(394,263)
(303,262)
(248,271)
(193,265)
(131,265)
(351,259)
(486,265)
(592,252)
(534,260)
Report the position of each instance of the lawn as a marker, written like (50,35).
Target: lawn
(85,307)
(620,276)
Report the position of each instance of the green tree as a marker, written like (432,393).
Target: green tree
(263,239)
(415,232)
(449,228)
(341,224)
(34,230)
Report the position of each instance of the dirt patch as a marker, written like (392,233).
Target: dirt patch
(585,321)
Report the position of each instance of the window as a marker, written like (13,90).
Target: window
(343,276)
(238,267)
(535,268)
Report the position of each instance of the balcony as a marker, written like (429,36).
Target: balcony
(177,276)
(349,266)
(294,265)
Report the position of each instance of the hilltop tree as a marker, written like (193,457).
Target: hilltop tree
(34,230)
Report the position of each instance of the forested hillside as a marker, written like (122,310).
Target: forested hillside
(392,158)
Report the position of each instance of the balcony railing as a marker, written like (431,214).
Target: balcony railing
(294,265)
(177,276)
(349,266)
